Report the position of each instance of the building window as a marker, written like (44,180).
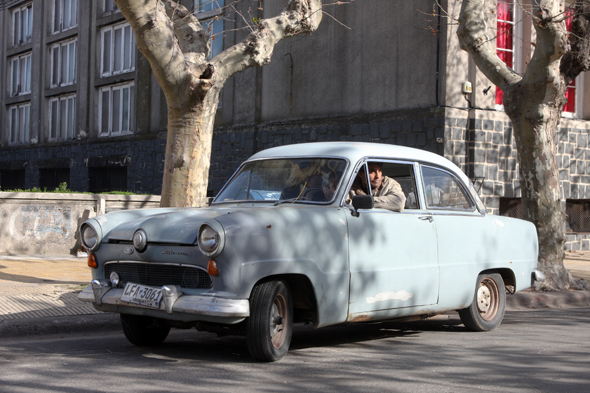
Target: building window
(20,75)
(12,180)
(116,107)
(511,207)
(62,118)
(109,7)
(20,124)
(65,15)
(572,94)
(22,24)
(118,50)
(578,215)
(505,39)
(209,12)
(107,179)
(64,63)
(51,178)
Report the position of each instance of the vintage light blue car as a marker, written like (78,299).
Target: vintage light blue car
(286,241)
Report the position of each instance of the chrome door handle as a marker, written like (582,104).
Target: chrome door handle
(424,218)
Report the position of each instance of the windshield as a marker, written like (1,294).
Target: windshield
(285,179)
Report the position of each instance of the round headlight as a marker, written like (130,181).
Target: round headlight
(115,279)
(208,239)
(89,237)
(140,240)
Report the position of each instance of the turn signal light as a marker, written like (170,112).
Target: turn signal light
(212,268)
(92,261)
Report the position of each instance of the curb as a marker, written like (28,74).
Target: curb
(109,322)
(60,325)
(537,300)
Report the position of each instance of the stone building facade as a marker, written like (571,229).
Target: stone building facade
(355,84)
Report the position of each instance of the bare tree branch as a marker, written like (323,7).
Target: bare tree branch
(154,35)
(300,16)
(192,39)
(473,38)
(577,60)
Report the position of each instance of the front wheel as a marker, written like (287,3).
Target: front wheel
(270,325)
(489,303)
(144,331)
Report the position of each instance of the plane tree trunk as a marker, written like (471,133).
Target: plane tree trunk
(177,48)
(533,102)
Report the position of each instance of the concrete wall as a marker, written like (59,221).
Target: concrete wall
(48,223)
(385,60)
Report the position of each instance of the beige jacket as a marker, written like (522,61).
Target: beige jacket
(389,196)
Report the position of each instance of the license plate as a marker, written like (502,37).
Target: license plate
(142,295)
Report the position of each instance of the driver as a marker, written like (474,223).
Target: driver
(387,193)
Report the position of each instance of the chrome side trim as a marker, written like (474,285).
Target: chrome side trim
(157,263)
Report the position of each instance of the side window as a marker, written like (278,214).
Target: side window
(383,174)
(443,191)
(404,175)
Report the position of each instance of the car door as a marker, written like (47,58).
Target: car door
(392,255)
(465,237)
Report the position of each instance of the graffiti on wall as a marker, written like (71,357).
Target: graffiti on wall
(42,223)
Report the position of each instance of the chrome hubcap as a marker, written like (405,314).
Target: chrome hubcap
(483,298)
(488,297)
(278,316)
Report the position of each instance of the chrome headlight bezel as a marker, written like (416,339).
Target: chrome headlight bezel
(140,240)
(88,233)
(211,238)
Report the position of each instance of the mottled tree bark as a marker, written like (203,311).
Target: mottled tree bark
(534,103)
(175,44)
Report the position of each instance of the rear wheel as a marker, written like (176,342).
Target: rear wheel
(489,303)
(270,325)
(144,331)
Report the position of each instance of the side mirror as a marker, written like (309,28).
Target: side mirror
(362,202)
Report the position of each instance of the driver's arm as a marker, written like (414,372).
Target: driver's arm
(390,196)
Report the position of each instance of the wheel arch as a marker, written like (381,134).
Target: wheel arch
(507,276)
(305,305)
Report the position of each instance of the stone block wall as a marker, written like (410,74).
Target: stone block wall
(422,129)
(578,242)
(481,143)
(485,149)
(144,159)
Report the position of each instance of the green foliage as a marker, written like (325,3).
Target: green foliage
(63,189)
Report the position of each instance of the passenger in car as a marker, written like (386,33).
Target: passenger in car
(387,193)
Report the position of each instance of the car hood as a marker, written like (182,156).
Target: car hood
(178,226)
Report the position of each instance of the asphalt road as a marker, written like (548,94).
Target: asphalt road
(532,351)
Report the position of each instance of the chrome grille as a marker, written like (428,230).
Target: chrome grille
(159,274)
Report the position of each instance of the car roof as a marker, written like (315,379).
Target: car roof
(354,151)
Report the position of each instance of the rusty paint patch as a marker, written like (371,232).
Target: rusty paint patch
(360,318)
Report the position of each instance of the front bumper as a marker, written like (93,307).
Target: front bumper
(174,305)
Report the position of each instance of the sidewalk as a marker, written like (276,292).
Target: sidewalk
(38,295)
